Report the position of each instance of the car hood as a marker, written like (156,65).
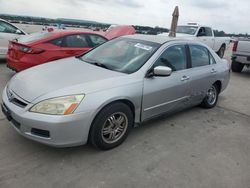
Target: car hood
(120,31)
(55,76)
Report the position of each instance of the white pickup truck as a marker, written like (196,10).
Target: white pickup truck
(204,34)
(241,54)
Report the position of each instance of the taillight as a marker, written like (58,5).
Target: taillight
(30,50)
(235,46)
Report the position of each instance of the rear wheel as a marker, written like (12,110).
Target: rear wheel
(211,98)
(111,126)
(237,67)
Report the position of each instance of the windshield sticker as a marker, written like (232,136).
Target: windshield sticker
(144,47)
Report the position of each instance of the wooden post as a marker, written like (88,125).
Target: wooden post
(172,32)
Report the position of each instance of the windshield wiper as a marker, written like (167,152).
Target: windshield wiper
(96,63)
(100,65)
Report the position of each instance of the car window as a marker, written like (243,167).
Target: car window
(212,60)
(121,54)
(7,28)
(75,41)
(57,42)
(174,57)
(190,30)
(202,32)
(97,40)
(199,56)
(208,31)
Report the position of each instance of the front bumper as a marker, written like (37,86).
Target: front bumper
(57,131)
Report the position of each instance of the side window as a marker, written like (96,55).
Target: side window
(97,40)
(7,28)
(75,41)
(57,42)
(208,31)
(212,60)
(174,57)
(202,32)
(199,56)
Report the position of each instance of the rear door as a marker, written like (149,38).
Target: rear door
(77,44)
(67,46)
(202,74)
(167,94)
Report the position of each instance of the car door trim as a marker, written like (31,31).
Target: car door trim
(166,103)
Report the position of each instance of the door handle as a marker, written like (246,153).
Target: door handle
(185,78)
(213,71)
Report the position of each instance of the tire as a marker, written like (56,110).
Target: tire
(237,67)
(221,51)
(111,126)
(211,98)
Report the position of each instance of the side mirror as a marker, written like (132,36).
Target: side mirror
(162,71)
(19,32)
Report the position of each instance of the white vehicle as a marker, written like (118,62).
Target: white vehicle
(241,54)
(203,34)
(8,32)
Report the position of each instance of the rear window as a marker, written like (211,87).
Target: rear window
(34,37)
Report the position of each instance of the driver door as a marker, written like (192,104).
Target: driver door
(167,94)
(205,35)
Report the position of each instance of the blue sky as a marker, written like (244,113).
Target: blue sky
(228,15)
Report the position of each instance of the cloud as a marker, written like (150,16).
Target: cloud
(211,4)
(227,15)
(129,3)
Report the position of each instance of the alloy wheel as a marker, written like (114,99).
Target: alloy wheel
(114,127)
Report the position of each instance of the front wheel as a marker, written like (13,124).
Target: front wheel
(111,126)
(211,98)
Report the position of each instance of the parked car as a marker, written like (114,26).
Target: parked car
(203,34)
(98,97)
(241,54)
(8,32)
(43,47)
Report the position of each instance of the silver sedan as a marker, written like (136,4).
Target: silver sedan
(99,96)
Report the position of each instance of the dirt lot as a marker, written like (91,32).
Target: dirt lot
(192,149)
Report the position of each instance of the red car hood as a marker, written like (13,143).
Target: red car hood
(120,31)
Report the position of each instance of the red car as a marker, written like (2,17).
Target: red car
(39,48)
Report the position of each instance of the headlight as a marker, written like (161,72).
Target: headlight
(58,106)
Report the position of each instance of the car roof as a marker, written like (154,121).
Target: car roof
(68,32)
(154,38)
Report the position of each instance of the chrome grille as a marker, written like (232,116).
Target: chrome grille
(13,98)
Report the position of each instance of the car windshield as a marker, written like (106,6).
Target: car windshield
(190,30)
(122,54)
(34,37)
